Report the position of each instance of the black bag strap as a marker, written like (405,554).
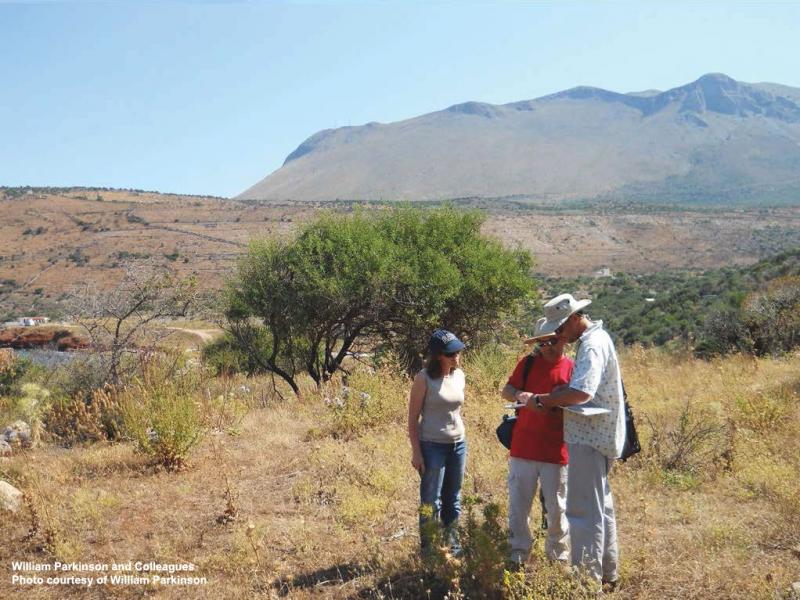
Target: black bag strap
(526,369)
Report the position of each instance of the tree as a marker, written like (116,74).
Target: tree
(369,283)
(116,318)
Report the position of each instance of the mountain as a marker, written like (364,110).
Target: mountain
(715,139)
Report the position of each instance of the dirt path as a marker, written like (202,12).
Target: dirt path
(205,335)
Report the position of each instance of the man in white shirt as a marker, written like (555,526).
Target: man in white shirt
(594,441)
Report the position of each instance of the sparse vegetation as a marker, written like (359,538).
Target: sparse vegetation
(313,496)
(136,219)
(717,475)
(35,230)
(78,257)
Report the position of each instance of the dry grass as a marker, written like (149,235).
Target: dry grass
(322,500)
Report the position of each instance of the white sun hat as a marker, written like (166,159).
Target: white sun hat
(537,333)
(558,310)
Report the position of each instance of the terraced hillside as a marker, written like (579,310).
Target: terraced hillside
(54,238)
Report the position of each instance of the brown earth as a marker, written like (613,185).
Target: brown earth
(54,240)
(20,338)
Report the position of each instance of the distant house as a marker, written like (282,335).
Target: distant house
(604,272)
(31,321)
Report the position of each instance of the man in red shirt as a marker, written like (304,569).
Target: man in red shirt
(538,452)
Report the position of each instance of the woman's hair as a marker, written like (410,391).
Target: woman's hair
(433,366)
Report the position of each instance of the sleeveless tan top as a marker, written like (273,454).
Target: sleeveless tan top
(441,410)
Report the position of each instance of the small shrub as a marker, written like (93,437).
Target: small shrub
(12,370)
(78,378)
(35,231)
(78,419)
(226,409)
(78,257)
(479,571)
(760,412)
(132,218)
(723,332)
(485,547)
(544,579)
(163,416)
(692,442)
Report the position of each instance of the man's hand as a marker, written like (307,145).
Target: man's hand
(527,399)
(523,397)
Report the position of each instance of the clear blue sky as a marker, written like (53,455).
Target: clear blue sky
(209,97)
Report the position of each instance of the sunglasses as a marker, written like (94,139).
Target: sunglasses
(548,343)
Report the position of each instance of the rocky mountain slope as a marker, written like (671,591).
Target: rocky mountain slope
(715,139)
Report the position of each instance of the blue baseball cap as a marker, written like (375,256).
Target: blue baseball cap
(444,342)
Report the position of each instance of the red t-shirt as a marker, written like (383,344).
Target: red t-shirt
(540,436)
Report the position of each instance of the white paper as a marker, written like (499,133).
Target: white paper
(587,409)
(514,406)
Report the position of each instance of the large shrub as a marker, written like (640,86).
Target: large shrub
(773,316)
(370,283)
(767,323)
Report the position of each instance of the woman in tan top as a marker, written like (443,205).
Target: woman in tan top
(436,432)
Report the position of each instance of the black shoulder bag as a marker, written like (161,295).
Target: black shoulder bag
(505,430)
(632,445)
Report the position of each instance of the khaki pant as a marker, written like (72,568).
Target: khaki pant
(523,477)
(590,512)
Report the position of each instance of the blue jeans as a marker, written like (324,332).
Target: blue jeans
(440,484)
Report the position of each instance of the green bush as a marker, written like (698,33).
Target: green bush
(482,570)
(78,378)
(380,282)
(164,415)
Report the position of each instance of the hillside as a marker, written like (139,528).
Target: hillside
(655,308)
(711,140)
(57,238)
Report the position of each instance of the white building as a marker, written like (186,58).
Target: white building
(604,272)
(31,321)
